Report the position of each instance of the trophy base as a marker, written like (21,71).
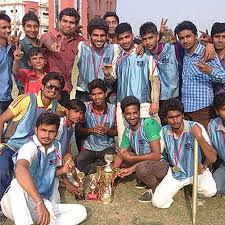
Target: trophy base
(92,196)
(107,200)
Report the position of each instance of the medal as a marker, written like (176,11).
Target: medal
(176,169)
(109,68)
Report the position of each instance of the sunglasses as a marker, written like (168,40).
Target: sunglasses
(51,86)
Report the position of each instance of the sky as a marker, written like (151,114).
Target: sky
(203,13)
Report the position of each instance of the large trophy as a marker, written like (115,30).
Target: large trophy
(106,178)
(81,177)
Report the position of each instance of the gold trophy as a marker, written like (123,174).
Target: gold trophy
(107,176)
(92,195)
(81,176)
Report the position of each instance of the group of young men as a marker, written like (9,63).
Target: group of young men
(156,97)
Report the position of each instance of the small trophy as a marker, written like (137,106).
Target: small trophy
(81,176)
(92,195)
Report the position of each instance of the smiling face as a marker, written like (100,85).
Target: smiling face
(67,25)
(31,29)
(5,29)
(132,115)
(51,89)
(98,38)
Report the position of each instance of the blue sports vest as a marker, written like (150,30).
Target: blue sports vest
(67,133)
(97,142)
(138,140)
(27,124)
(133,77)
(168,72)
(217,137)
(88,68)
(186,157)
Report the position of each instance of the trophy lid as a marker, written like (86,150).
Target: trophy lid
(108,158)
(81,175)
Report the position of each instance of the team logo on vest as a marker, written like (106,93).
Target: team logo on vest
(106,60)
(53,162)
(188,146)
(165,60)
(140,63)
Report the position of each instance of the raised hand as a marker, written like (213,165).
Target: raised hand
(204,37)
(163,26)
(14,39)
(204,67)
(18,54)
(68,166)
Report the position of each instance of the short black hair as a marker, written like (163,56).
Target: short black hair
(109,14)
(76,104)
(48,119)
(217,28)
(129,100)
(54,76)
(97,83)
(219,101)
(172,104)
(186,25)
(5,17)
(123,27)
(30,16)
(35,51)
(70,12)
(97,23)
(147,28)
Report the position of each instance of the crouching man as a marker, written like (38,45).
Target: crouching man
(30,198)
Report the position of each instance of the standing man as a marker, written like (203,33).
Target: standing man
(61,48)
(21,117)
(6,63)
(99,128)
(92,56)
(218,40)
(198,76)
(38,164)
(30,23)
(142,137)
(177,141)
(135,76)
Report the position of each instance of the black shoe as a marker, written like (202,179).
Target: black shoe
(146,196)
(140,185)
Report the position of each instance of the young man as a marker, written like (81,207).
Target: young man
(218,40)
(21,117)
(198,76)
(30,23)
(62,48)
(30,78)
(216,129)
(75,110)
(92,56)
(38,162)
(142,137)
(177,141)
(135,76)
(6,60)
(168,59)
(99,128)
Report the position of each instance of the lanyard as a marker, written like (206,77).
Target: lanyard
(118,59)
(100,62)
(176,156)
(96,117)
(67,136)
(58,155)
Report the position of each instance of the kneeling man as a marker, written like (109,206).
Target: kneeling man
(30,198)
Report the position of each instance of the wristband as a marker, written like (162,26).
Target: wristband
(39,203)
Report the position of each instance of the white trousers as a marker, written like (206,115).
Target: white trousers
(169,186)
(122,123)
(19,207)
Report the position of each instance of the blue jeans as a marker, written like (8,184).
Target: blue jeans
(219,177)
(6,169)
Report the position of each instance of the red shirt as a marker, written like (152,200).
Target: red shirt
(62,61)
(31,83)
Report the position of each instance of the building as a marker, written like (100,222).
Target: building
(17,8)
(48,11)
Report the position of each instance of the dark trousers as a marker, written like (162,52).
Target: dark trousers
(202,116)
(87,160)
(151,173)
(6,169)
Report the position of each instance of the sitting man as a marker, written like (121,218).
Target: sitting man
(177,140)
(216,130)
(21,116)
(142,136)
(99,128)
(39,161)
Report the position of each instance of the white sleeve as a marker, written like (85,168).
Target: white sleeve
(60,130)
(162,143)
(59,160)
(28,152)
(79,50)
(152,66)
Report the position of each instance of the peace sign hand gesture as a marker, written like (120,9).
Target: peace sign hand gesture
(163,26)
(15,38)
(18,53)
